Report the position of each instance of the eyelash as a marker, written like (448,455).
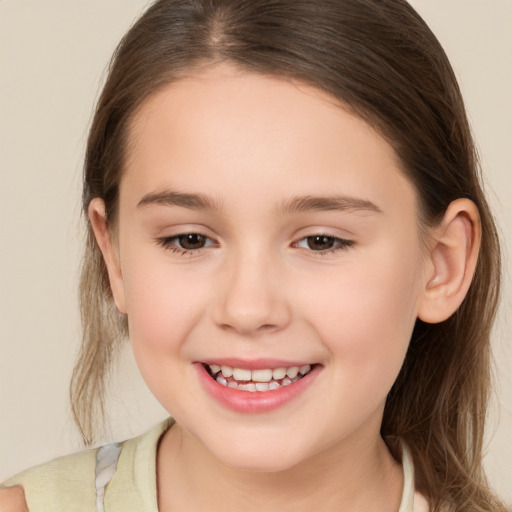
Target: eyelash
(341,244)
(170,243)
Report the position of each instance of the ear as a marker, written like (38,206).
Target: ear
(98,219)
(453,256)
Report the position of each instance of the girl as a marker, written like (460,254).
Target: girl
(285,216)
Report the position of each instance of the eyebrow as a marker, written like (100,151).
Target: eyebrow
(327,203)
(173,198)
(295,204)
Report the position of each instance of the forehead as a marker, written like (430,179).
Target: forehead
(222,125)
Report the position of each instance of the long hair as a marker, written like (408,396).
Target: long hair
(380,59)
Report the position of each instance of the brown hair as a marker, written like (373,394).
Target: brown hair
(379,58)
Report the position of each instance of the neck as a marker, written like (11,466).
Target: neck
(353,477)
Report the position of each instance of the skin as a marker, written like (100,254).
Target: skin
(13,500)
(258,289)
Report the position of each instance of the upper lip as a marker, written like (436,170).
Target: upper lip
(255,364)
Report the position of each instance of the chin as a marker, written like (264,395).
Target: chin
(257,464)
(257,457)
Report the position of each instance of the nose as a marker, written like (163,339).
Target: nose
(251,297)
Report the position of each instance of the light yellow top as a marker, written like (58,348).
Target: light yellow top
(68,483)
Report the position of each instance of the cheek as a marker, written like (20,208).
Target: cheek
(162,310)
(163,305)
(366,316)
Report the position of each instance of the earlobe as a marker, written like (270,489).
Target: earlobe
(453,256)
(102,233)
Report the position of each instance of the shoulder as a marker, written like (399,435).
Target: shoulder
(56,485)
(70,482)
(13,500)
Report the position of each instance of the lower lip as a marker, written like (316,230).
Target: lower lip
(258,401)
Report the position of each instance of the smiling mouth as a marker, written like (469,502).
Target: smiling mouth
(260,380)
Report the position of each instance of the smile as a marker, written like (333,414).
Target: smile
(257,386)
(260,380)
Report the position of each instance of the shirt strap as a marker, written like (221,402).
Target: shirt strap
(106,465)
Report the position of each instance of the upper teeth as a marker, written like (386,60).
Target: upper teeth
(264,375)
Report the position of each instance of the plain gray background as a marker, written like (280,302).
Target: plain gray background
(52,57)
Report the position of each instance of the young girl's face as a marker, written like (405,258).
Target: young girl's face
(263,227)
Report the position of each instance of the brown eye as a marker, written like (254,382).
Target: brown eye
(324,244)
(186,244)
(320,242)
(192,241)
